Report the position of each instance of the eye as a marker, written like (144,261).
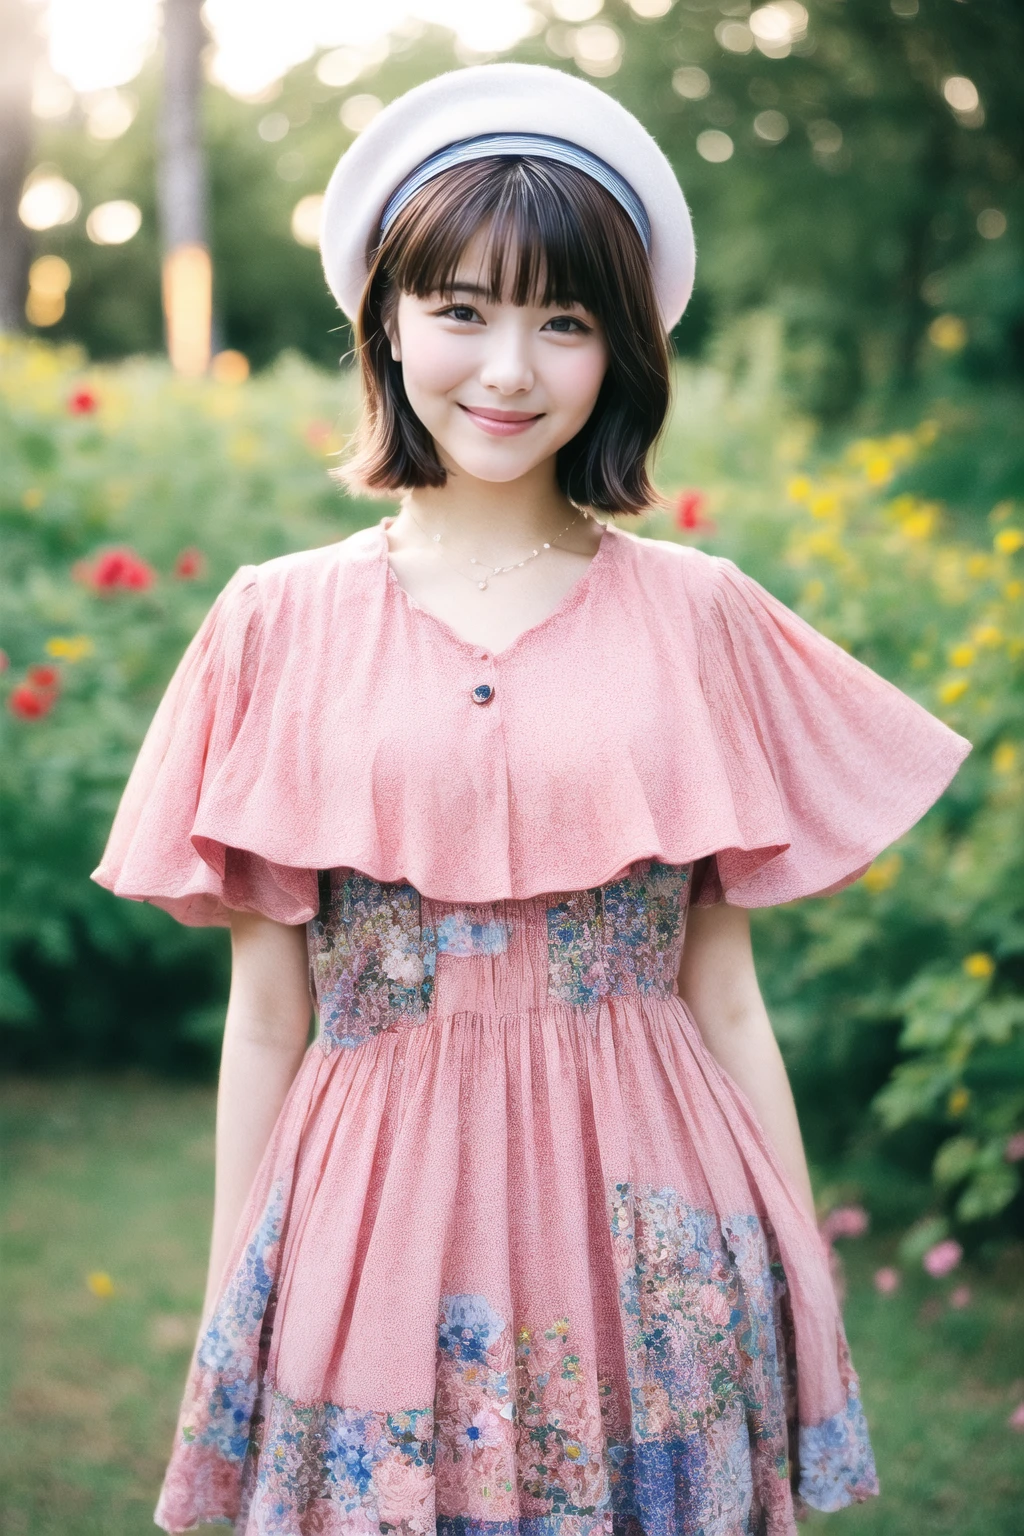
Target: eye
(460,312)
(567,325)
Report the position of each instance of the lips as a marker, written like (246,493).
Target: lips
(500,423)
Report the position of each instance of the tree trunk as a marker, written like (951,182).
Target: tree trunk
(187,275)
(18,51)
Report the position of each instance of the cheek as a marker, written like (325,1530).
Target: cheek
(433,361)
(575,378)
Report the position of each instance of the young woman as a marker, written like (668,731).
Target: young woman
(524,1241)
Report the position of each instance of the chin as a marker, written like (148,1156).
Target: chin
(496,468)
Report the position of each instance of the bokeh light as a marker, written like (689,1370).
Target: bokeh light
(358,112)
(49,279)
(714,146)
(306,220)
(113,223)
(691,82)
(48,200)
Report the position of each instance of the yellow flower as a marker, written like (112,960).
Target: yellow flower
(1004,758)
(824,504)
(979,566)
(70,648)
(919,524)
(799,488)
(948,333)
(879,469)
(988,635)
(813,592)
(961,656)
(958,1101)
(32,498)
(953,690)
(1008,540)
(1013,590)
(883,873)
(979,965)
(100,1283)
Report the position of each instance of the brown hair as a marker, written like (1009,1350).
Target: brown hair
(570,241)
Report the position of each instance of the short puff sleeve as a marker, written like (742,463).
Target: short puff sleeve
(154,852)
(825,759)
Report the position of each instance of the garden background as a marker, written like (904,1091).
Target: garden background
(847,426)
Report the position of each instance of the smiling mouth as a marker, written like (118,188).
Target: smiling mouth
(500,423)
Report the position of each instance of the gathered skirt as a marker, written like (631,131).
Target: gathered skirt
(519,1259)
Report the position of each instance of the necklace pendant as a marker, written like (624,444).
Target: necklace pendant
(482,585)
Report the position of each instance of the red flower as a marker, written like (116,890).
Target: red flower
(44,677)
(319,433)
(29,703)
(190,564)
(83,402)
(690,508)
(115,570)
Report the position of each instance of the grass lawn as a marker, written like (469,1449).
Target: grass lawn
(113,1178)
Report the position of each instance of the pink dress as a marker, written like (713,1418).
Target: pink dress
(519,1259)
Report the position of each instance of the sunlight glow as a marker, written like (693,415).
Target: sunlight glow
(97,45)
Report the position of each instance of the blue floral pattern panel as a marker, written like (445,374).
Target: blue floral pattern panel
(373,954)
(622,938)
(525,1435)
(371,963)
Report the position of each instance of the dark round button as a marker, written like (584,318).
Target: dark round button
(483,693)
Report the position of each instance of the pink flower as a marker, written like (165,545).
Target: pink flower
(190,564)
(715,1305)
(1016,1419)
(83,402)
(844,1221)
(319,433)
(942,1257)
(405,1493)
(483,1429)
(887,1280)
(960,1297)
(689,511)
(1014,1149)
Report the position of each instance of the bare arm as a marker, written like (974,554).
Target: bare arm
(265,1039)
(718,983)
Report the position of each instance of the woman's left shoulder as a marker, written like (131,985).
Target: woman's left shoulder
(669,572)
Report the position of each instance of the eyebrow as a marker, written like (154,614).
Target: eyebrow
(479,292)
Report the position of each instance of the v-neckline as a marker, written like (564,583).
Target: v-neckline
(570,599)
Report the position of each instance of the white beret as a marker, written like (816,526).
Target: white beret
(500,98)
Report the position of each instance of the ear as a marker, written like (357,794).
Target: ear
(390,324)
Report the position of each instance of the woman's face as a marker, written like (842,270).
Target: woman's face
(499,387)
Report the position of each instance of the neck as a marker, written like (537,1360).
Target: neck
(503,515)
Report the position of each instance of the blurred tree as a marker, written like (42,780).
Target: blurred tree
(187,277)
(18,49)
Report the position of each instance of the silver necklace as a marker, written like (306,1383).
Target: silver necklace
(495,570)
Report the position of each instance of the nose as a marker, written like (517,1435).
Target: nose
(507,364)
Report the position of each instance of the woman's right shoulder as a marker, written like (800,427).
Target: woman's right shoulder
(301,581)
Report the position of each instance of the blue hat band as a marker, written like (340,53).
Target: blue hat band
(539,144)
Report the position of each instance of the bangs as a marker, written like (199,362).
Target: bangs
(551,234)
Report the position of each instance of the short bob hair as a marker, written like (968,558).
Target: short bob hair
(570,241)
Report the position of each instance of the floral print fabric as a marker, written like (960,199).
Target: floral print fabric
(524,1433)
(374,947)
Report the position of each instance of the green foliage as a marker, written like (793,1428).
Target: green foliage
(898,1001)
(163,467)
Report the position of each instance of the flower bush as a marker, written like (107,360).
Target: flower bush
(898,1001)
